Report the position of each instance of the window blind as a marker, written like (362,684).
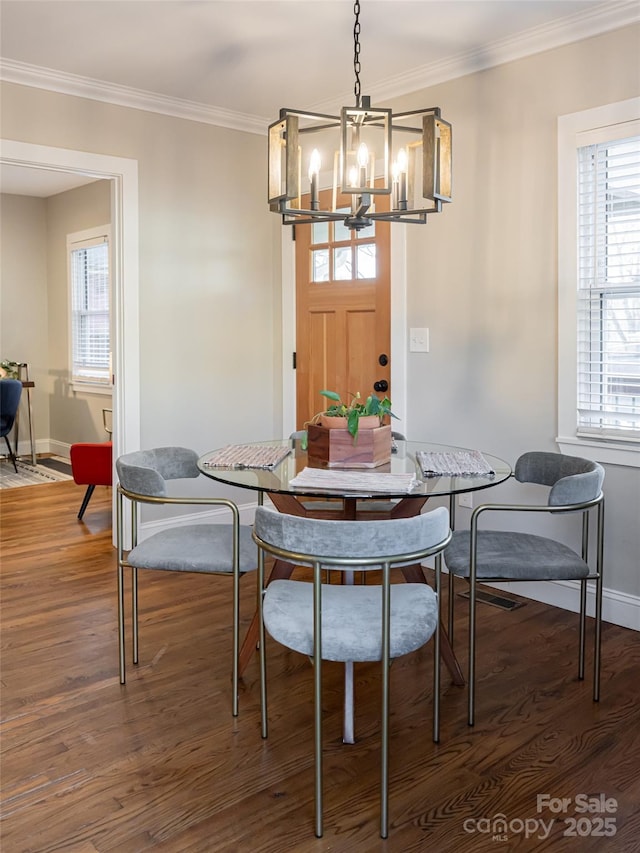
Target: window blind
(609,289)
(90,313)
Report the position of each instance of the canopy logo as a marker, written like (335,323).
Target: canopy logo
(581,816)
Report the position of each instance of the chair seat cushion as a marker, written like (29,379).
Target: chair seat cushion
(514,556)
(195,548)
(351,618)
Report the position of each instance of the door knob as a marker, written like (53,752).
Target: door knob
(381,385)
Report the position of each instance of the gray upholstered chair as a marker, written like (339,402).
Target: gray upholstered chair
(346,622)
(575,485)
(222,549)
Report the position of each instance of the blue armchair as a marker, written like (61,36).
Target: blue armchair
(10,393)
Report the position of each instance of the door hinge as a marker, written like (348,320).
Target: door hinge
(294,361)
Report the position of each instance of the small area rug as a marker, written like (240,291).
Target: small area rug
(50,469)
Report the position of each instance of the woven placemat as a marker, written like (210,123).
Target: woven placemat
(455,463)
(247,456)
(353,481)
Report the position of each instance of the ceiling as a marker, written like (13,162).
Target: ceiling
(41,183)
(236,62)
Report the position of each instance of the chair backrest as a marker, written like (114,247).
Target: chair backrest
(145,472)
(331,542)
(573,480)
(10,393)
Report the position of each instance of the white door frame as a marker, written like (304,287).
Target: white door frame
(398,327)
(123,174)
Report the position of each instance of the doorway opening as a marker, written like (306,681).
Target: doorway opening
(122,174)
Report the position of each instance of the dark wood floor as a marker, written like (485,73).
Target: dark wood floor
(88,765)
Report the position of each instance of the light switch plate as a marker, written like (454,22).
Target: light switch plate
(418,340)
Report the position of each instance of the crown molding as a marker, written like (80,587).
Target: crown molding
(37,77)
(582,25)
(603,18)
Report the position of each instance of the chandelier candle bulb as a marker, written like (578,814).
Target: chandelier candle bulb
(363,162)
(402,178)
(353,182)
(314,171)
(395,172)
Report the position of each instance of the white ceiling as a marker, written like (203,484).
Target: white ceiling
(42,183)
(236,62)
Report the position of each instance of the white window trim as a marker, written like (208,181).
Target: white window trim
(615,452)
(90,234)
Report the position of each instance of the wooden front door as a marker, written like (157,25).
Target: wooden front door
(343,284)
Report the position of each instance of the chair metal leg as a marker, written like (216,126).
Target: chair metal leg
(451,607)
(598,604)
(436,652)
(119,537)
(134,581)
(236,612)
(384,738)
(261,644)
(12,455)
(134,612)
(317,693)
(452,525)
(582,628)
(85,500)
(583,596)
(472,622)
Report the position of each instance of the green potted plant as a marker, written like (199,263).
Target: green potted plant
(354,414)
(9,369)
(332,434)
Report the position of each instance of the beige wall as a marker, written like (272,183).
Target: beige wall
(209,273)
(74,415)
(482,276)
(24,302)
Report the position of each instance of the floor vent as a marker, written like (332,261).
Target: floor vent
(495,600)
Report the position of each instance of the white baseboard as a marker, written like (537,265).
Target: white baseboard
(618,608)
(219,515)
(59,448)
(44,445)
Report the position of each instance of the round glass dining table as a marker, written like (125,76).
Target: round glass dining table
(404,460)
(384,498)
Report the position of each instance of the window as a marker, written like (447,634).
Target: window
(88,254)
(599,281)
(609,288)
(346,256)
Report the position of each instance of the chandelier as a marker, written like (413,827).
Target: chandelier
(342,164)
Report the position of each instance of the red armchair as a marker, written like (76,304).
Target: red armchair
(91,466)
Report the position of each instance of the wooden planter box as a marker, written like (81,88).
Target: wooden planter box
(335,447)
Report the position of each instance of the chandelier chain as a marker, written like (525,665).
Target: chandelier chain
(356,51)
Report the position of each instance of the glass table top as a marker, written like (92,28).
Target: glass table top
(403,461)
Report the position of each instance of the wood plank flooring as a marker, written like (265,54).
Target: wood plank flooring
(90,766)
